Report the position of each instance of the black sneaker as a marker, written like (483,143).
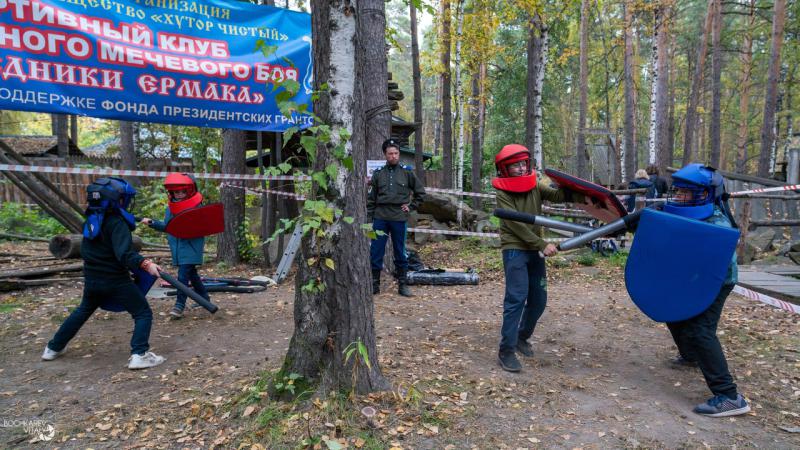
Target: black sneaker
(683,363)
(509,362)
(525,348)
(722,406)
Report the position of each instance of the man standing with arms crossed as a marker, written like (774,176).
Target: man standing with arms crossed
(394,192)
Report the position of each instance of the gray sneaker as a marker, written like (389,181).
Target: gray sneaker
(50,355)
(722,406)
(145,360)
(525,348)
(509,362)
(176,313)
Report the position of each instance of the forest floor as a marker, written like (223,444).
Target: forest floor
(600,378)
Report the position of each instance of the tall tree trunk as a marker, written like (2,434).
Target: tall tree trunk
(534,48)
(697,86)
(670,151)
(662,100)
(654,88)
(716,88)
(62,136)
(744,95)
(417,79)
(629,147)
(768,126)
(581,156)
(329,320)
(174,148)
(459,182)
(127,150)
(447,115)
(233,156)
(372,43)
(73,128)
(477,151)
(544,37)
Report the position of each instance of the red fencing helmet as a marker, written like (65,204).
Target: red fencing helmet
(512,154)
(182,182)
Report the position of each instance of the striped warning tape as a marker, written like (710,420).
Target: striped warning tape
(753,295)
(148,173)
(252,190)
(791,187)
(456,192)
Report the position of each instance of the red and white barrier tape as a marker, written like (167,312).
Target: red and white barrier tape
(791,187)
(455,192)
(148,173)
(252,190)
(753,295)
(453,232)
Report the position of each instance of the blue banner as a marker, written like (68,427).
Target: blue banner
(207,63)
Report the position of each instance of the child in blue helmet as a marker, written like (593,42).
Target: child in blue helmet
(698,192)
(108,256)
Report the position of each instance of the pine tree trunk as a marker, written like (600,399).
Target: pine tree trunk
(654,88)
(716,89)
(581,156)
(417,80)
(744,96)
(768,125)
(127,149)
(447,114)
(371,20)
(534,47)
(62,136)
(697,86)
(537,100)
(477,151)
(629,147)
(73,128)
(327,322)
(233,156)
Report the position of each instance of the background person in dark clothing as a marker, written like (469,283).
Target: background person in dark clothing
(659,183)
(640,182)
(394,192)
(108,257)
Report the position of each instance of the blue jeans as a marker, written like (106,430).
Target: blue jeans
(526,296)
(397,230)
(94,294)
(697,340)
(187,274)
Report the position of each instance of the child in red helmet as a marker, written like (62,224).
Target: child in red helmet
(523,251)
(187,254)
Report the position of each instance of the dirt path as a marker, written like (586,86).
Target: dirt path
(600,377)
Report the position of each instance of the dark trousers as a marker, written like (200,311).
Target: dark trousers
(697,340)
(94,294)
(187,274)
(397,230)
(526,296)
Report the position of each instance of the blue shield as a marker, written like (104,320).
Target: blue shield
(676,266)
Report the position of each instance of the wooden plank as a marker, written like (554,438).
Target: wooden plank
(776,269)
(782,287)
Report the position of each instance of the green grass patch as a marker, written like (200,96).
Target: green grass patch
(587,259)
(8,307)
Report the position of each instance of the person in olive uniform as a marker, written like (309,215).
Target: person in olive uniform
(393,193)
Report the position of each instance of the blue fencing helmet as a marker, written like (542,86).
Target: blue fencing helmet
(696,188)
(108,194)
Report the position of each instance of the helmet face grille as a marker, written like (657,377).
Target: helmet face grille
(688,195)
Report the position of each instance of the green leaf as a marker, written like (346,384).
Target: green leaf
(348,163)
(349,220)
(333,445)
(268,50)
(332,171)
(311,261)
(321,179)
(362,350)
(287,135)
(330,264)
(309,143)
(284,167)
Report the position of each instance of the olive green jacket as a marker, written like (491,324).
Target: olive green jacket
(524,236)
(391,187)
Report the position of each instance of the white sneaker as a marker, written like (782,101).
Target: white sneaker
(50,355)
(144,361)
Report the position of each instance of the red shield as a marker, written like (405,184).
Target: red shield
(602,203)
(198,222)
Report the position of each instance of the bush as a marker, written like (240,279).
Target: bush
(17,218)
(587,259)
